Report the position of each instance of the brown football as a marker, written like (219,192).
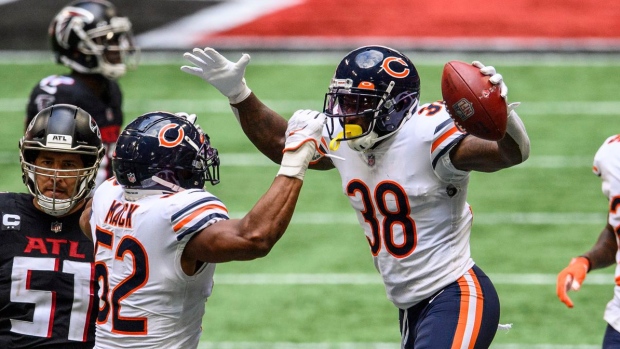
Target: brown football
(472,101)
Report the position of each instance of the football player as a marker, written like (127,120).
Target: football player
(96,43)
(46,263)
(405,169)
(605,251)
(158,233)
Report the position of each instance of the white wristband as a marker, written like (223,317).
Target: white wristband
(295,163)
(241,96)
(516,129)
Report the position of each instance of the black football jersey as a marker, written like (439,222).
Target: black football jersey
(47,289)
(57,89)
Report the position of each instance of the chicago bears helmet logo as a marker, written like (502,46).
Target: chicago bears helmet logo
(395,72)
(165,142)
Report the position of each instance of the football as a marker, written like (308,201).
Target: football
(474,103)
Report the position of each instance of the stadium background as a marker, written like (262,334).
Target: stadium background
(438,25)
(318,289)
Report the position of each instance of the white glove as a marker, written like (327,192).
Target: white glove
(224,75)
(514,125)
(497,79)
(190,117)
(303,142)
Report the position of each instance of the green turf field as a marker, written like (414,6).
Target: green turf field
(318,288)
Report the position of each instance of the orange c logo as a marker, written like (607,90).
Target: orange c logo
(386,67)
(162,140)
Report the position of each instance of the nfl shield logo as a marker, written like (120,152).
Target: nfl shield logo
(464,109)
(56,227)
(371,160)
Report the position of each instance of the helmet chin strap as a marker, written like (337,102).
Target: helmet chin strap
(366,142)
(167,184)
(136,194)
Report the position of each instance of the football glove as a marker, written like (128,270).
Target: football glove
(224,75)
(303,143)
(496,79)
(514,125)
(190,117)
(571,278)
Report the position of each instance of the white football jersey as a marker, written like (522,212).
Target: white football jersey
(607,166)
(411,203)
(145,298)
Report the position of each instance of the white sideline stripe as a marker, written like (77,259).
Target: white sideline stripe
(332,57)
(358,345)
(219,105)
(187,31)
(361,279)
(259,160)
(513,218)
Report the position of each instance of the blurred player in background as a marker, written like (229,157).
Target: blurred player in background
(47,293)
(405,170)
(605,251)
(90,38)
(158,233)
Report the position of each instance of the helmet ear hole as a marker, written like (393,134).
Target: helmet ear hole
(403,103)
(184,174)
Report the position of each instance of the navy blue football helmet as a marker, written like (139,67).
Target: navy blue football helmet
(164,151)
(376,83)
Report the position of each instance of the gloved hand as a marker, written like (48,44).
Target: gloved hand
(190,117)
(224,75)
(514,126)
(497,79)
(571,278)
(303,142)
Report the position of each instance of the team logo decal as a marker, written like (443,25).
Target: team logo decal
(397,71)
(67,20)
(131,177)
(163,142)
(44,101)
(94,128)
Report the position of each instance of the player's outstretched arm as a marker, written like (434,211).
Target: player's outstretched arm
(601,255)
(476,154)
(264,127)
(254,235)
